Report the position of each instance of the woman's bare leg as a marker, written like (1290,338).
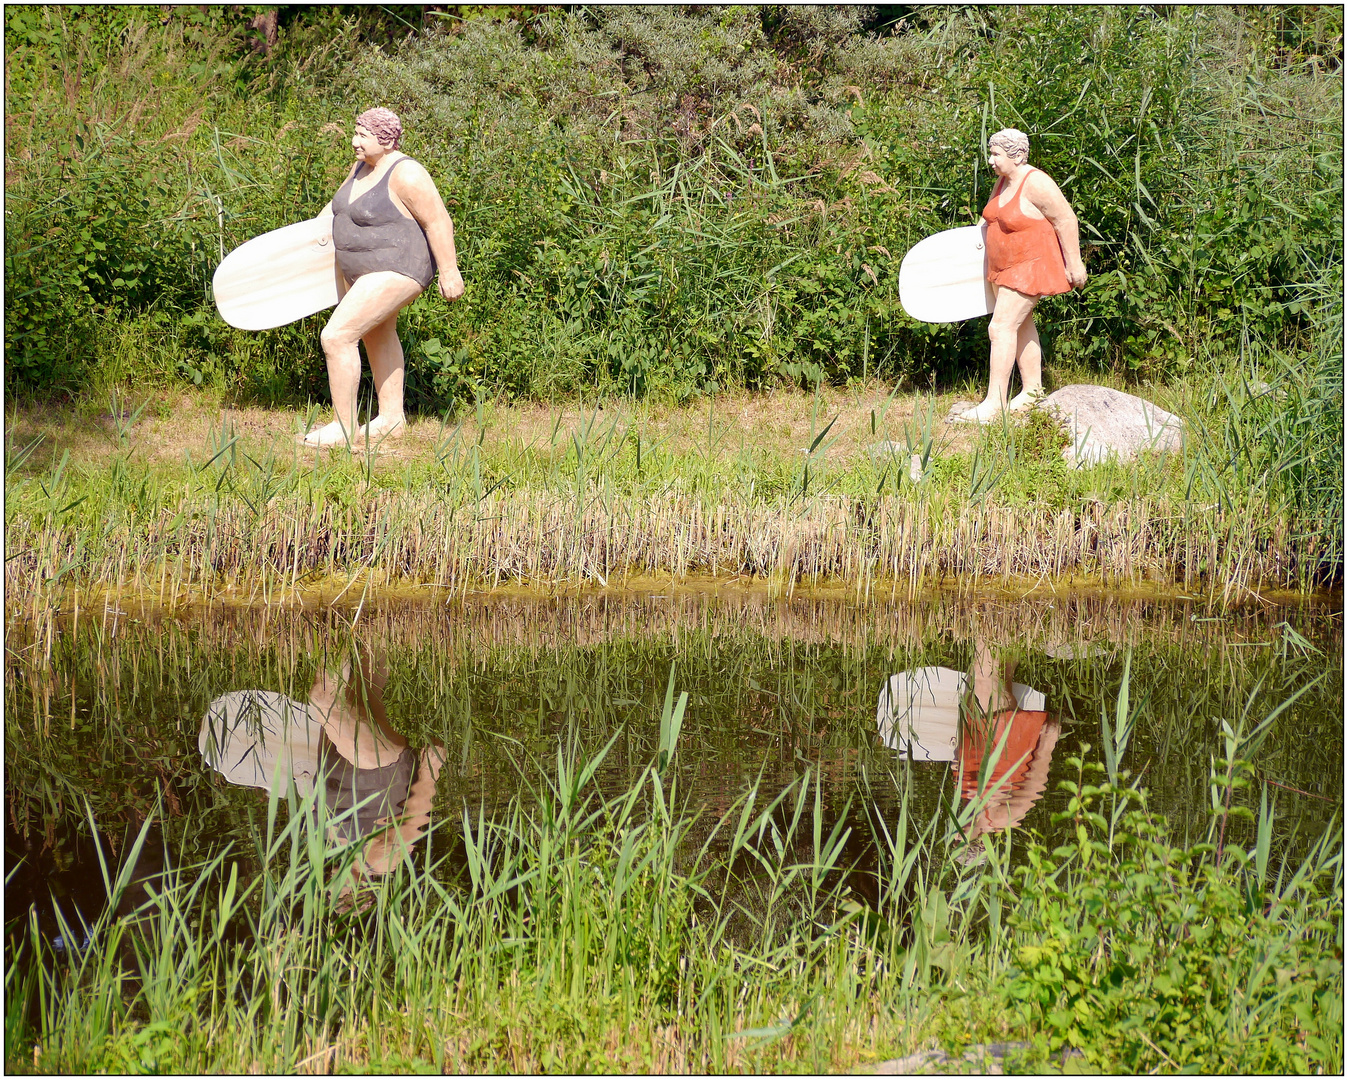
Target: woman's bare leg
(386,364)
(1030,360)
(1011,312)
(371,300)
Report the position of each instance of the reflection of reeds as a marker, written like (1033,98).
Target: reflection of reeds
(546,539)
(90,701)
(650,609)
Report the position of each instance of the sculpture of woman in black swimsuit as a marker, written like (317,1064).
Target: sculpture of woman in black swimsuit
(391,231)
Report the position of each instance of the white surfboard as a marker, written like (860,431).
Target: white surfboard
(944,277)
(918,713)
(278,277)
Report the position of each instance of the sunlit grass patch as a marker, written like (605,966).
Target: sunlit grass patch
(865,489)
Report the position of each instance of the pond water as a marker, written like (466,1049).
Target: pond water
(439,708)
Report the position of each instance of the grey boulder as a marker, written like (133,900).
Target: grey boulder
(1105,423)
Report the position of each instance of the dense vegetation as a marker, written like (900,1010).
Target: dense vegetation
(667,199)
(578,939)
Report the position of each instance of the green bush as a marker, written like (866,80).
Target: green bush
(1175,956)
(670,200)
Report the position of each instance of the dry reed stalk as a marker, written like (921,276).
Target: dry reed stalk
(545,537)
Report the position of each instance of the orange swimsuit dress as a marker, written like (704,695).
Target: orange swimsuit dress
(1021,743)
(1023,252)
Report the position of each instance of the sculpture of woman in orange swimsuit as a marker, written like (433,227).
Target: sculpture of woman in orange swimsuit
(1033,251)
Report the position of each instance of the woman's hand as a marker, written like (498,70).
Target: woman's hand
(451,285)
(1076,274)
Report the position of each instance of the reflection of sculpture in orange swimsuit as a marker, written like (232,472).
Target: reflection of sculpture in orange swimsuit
(1018,777)
(939,714)
(1023,252)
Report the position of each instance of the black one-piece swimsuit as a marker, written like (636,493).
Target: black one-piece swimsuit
(370,234)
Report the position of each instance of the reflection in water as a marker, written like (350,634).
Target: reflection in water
(93,714)
(996,733)
(373,783)
(918,714)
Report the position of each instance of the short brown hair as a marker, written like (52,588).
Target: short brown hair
(383,124)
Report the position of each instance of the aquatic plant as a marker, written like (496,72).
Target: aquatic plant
(587,933)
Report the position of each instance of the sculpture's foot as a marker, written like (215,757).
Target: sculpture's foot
(332,434)
(981,414)
(382,428)
(1026,399)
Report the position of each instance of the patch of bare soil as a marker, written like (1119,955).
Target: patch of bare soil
(168,427)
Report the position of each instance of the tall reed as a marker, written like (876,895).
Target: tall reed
(588,933)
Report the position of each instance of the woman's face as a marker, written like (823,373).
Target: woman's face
(367,147)
(1003,164)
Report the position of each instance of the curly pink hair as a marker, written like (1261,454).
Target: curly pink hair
(383,124)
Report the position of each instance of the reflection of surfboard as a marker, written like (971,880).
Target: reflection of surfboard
(278,277)
(944,277)
(918,712)
(255,738)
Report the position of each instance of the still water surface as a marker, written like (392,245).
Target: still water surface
(429,710)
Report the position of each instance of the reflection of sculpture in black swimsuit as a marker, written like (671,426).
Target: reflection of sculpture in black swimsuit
(362,800)
(371,234)
(374,785)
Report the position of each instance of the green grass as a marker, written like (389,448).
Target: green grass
(585,933)
(485,498)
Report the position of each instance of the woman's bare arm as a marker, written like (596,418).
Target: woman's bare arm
(415,189)
(1045,196)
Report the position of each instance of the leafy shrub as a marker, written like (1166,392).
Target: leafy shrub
(668,200)
(1168,958)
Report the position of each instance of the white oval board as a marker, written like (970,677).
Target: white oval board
(944,277)
(278,277)
(918,713)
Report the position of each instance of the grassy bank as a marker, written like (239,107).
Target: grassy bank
(673,207)
(868,489)
(586,933)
